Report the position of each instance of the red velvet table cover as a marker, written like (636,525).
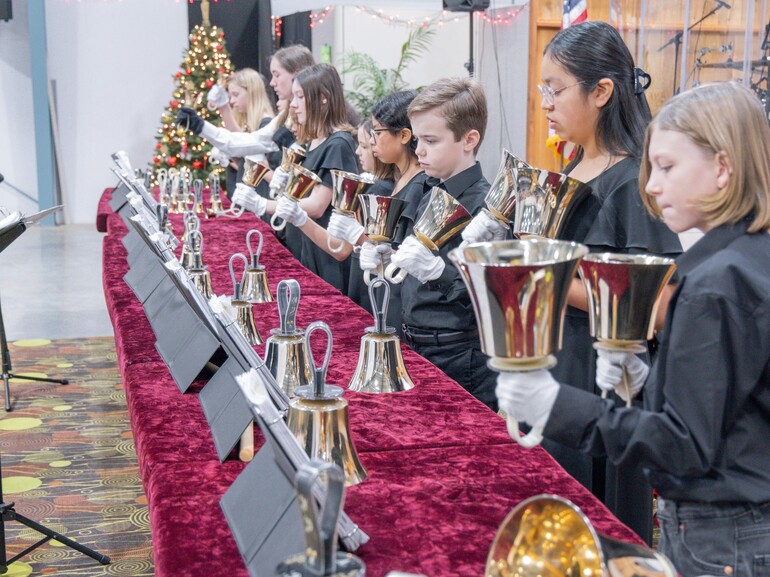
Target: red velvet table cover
(443,473)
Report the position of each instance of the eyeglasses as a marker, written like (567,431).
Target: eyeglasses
(373,132)
(549,93)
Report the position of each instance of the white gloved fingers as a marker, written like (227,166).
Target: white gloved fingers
(217,97)
(527,396)
(291,212)
(245,196)
(610,369)
(279,180)
(373,255)
(484,228)
(218,157)
(345,227)
(416,259)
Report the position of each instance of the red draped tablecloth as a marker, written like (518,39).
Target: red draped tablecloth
(443,473)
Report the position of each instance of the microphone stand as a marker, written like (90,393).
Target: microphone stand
(676,40)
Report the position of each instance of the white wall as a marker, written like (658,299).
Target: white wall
(17,130)
(113,64)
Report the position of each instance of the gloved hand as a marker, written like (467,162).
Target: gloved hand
(279,180)
(216,156)
(345,227)
(528,396)
(373,255)
(248,198)
(188,118)
(484,228)
(217,97)
(609,372)
(418,261)
(290,211)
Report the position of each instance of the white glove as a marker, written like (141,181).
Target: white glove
(528,396)
(280,178)
(290,211)
(345,227)
(609,372)
(418,261)
(373,255)
(217,97)
(216,156)
(248,198)
(484,228)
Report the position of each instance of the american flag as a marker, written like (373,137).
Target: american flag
(575,11)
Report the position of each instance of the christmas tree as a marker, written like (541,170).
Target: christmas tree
(205,62)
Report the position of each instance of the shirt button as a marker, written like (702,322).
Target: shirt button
(728,570)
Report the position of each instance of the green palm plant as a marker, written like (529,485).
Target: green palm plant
(370,82)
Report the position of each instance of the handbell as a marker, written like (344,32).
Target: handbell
(301,182)
(380,366)
(253,173)
(500,200)
(518,289)
(318,417)
(548,536)
(443,218)
(216,197)
(380,216)
(254,287)
(198,191)
(623,293)
(198,273)
(346,187)
(291,155)
(545,201)
(244,314)
(285,352)
(191,224)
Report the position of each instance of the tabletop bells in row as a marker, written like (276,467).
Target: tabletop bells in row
(181,193)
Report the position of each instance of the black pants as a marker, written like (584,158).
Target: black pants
(465,363)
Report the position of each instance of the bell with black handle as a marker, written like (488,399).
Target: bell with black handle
(254,287)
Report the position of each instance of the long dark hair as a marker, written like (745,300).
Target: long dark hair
(319,82)
(391,112)
(590,51)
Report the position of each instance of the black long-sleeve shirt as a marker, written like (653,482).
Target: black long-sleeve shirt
(704,432)
(444,304)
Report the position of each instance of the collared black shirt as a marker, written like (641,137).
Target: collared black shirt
(704,432)
(444,304)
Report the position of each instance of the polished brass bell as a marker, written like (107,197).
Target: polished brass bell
(244,314)
(301,182)
(191,223)
(254,287)
(197,273)
(198,191)
(216,198)
(500,200)
(285,352)
(346,188)
(318,417)
(548,536)
(380,366)
(380,216)
(253,173)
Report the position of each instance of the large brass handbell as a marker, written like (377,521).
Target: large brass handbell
(162,178)
(198,273)
(318,417)
(623,294)
(301,182)
(548,536)
(244,314)
(174,203)
(379,217)
(198,193)
(191,223)
(443,218)
(380,366)
(519,291)
(254,287)
(346,187)
(253,173)
(285,352)
(500,200)
(294,154)
(544,202)
(216,196)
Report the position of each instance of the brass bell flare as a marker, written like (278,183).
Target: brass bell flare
(318,418)
(253,173)
(346,188)
(545,201)
(286,353)
(244,313)
(379,216)
(189,249)
(291,155)
(380,367)
(300,184)
(500,200)
(198,194)
(254,286)
(519,289)
(216,196)
(548,536)
(443,218)
(201,279)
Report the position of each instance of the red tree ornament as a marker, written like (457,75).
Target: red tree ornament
(209,83)
(172,161)
(197,164)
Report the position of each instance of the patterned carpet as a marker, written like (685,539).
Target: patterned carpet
(68,462)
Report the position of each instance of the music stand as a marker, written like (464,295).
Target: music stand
(8,234)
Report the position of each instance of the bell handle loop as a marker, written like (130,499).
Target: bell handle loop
(254,256)
(196,241)
(626,386)
(380,312)
(331,248)
(274,222)
(233,212)
(528,441)
(288,303)
(198,188)
(320,520)
(236,284)
(393,276)
(319,372)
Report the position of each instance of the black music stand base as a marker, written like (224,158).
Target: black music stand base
(9,514)
(8,376)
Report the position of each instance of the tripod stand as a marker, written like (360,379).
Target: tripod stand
(8,513)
